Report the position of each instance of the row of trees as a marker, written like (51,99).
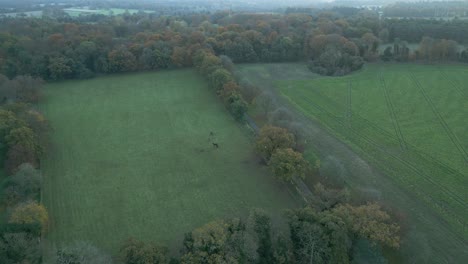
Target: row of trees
(428,49)
(22,141)
(275,145)
(413,30)
(428,9)
(217,71)
(54,49)
(321,232)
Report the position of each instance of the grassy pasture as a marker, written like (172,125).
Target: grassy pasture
(411,120)
(131,156)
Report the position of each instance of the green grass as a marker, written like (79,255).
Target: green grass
(410,120)
(131,156)
(74,12)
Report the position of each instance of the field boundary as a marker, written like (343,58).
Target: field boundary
(391,109)
(444,124)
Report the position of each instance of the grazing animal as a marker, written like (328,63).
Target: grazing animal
(215,145)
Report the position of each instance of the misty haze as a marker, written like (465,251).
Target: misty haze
(233,131)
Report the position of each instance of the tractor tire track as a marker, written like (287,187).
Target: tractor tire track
(454,83)
(370,141)
(349,111)
(410,147)
(444,124)
(391,109)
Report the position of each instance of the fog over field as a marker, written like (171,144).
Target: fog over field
(233,131)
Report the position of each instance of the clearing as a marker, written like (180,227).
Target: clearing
(132,155)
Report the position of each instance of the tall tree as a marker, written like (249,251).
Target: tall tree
(287,163)
(138,252)
(82,252)
(272,138)
(30,213)
(121,60)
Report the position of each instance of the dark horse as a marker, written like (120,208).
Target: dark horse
(215,145)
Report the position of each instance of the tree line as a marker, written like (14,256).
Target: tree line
(56,49)
(329,230)
(428,9)
(23,139)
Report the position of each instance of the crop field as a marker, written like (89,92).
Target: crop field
(132,156)
(386,138)
(410,120)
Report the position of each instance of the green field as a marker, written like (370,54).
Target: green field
(347,122)
(131,156)
(74,12)
(410,120)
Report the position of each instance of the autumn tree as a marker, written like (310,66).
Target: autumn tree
(38,123)
(370,221)
(19,248)
(207,62)
(371,44)
(181,57)
(8,122)
(318,237)
(30,213)
(272,138)
(237,106)
(234,100)
(82,252)
(259,224)
(24,185)
(287,163)
(21,89)
(219,77)
(121,60)
(216,242)
(326,198)
(24,136)
(17,155)
(28,89)
(60,68)
(138,252)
